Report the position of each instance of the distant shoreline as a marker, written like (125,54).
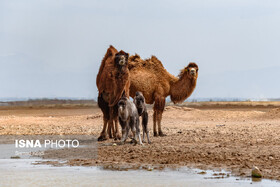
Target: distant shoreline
(71,104)
(84,99)
(48,103)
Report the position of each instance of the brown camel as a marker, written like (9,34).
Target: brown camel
(112,82)
(151,78)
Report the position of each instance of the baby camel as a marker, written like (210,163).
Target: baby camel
(129,119)
(139,101)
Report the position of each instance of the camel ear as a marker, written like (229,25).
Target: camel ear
(126,55)
(193,65)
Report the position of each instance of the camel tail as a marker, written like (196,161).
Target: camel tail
(110,51)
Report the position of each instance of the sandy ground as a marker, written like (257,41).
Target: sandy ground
(232,136)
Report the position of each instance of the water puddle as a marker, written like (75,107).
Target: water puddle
(21,172)
(64,146)
(24,172)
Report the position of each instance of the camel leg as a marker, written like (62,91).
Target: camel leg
(133,125)
(113,130)
(111,124)
(124,134)
(155,123)
(138,132)
(109,129)
(148,138)
(159,108)
(139,136)
(145,127)
(147,133)
(133,130)
(105,110)
(159,124)
(103,136)
(118,136)
(144,130)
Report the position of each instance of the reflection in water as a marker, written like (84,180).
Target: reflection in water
(254,179)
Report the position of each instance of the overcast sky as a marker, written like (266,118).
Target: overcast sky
(53,48)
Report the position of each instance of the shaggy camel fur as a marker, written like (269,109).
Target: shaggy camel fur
(112,82)
(129,119)
(151,78)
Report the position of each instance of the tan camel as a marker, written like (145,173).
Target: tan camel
(112,82)
(151,78)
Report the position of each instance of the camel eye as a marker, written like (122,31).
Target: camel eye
(121,104)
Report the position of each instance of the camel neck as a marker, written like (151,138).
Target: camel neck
(182,88)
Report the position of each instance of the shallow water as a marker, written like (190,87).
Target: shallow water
(8,148)
(21,172)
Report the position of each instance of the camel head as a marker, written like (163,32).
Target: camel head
(122,108)
(121,60)
(139,100)
(191,71)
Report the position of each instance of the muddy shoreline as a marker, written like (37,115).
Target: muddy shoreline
(231,136)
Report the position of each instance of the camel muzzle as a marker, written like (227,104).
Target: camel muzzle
(193,72)
(121,62)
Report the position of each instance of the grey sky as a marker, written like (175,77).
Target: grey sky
(53,48)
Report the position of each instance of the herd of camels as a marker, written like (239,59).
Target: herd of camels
(123,75)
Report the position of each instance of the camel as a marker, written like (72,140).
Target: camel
(129,119)
(152,79)
(139,101)
(112,82)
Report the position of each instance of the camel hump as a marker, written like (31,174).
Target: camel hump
(156,61)
(110,52)
(112,49)
(134,58)
(135,61)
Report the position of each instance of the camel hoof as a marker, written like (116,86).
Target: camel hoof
(161,134)
(155,134)
(133,141)
(149,142)
(102,138)
(118,137)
